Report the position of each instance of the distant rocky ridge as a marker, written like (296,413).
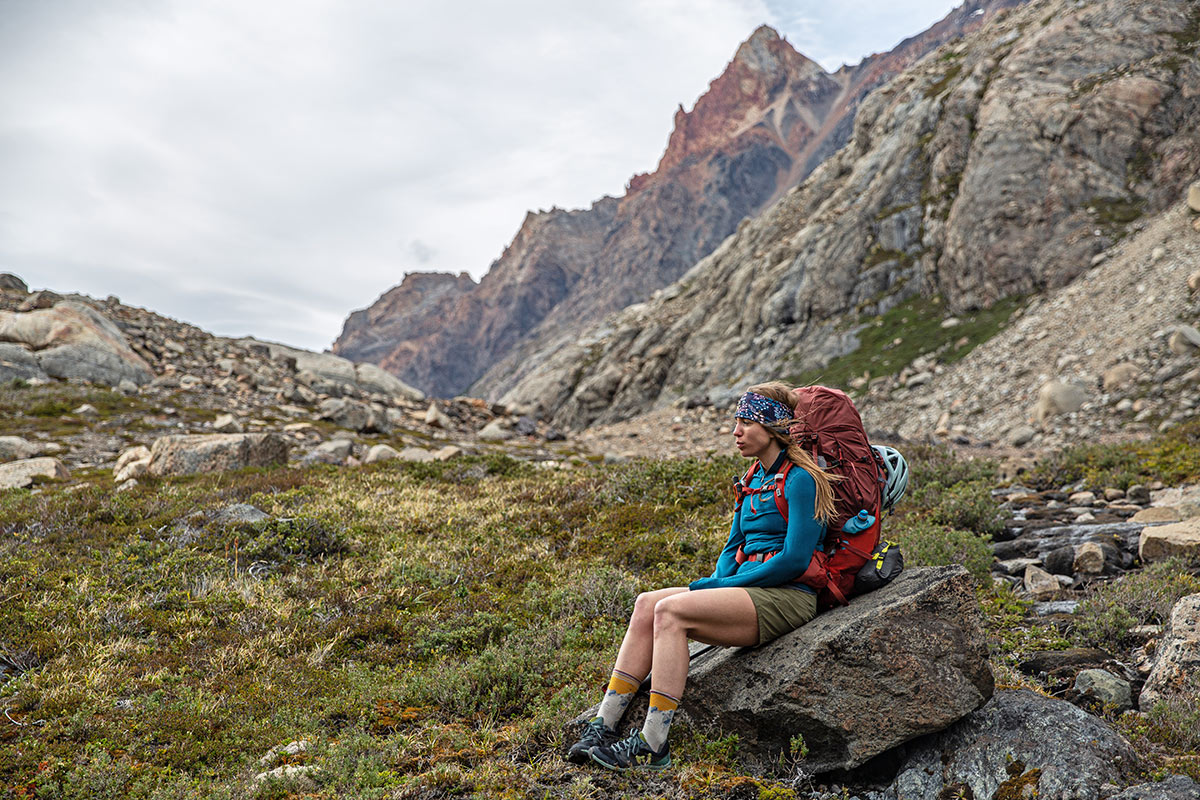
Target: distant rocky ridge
(185,401)
(1004,164)
(762,126)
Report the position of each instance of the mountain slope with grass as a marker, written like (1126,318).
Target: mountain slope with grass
(998,167)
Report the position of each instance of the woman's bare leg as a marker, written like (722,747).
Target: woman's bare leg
(637,648)
(714,616)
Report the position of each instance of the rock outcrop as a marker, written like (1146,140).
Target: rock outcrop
(70,340)
(761,127)
(1018,745)
(903,661)
(332,374)
(1176,667)
(992,168)
(189,454)
(21,474)
(1176,787)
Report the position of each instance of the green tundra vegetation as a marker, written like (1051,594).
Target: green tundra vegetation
(428,628)
(890,341)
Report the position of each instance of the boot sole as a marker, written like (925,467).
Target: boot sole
(638,767)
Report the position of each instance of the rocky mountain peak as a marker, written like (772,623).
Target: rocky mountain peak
(762,71)
(755,53)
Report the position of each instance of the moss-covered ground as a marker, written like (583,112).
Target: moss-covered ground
(429,628)
(48,410)
(891,341)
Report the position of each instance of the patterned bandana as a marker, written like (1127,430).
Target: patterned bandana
(762,410)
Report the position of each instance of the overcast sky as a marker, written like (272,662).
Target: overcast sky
(264,168)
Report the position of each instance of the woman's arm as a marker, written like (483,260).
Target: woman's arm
(803,535)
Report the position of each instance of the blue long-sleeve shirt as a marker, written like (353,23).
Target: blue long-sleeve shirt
(758,527)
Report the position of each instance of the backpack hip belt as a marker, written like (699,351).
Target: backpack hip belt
(816,576)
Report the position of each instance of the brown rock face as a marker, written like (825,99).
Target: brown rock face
(441,336)
(419,300)
(761,127)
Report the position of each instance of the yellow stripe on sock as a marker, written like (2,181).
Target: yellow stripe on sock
(663,702)
(622,684)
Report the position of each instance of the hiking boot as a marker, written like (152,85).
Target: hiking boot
(631,753)
(594,734)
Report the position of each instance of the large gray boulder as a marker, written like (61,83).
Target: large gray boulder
(373,378)
(191,453)
(1022,742)
(73,340)
(14,448)
(900,662)
(17,361)
(1176,787)
(21,474)
(1058,397)
(352,415)
(1176,667)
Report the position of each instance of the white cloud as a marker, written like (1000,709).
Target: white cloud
(267,167)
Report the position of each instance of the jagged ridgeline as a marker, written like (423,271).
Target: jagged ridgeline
(770,118)
(1000,165)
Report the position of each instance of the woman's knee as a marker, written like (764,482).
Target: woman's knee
(643,607)
(668,613)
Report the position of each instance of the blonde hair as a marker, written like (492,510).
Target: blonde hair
(781,432)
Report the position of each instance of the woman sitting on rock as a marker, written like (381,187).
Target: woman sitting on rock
(749,599)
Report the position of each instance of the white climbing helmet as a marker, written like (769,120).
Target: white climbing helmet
(897,475)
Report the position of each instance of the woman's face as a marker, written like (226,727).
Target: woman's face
(752,439)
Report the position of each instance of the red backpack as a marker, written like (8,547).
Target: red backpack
(830,429)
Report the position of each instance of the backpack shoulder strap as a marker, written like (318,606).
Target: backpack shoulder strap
(781,502)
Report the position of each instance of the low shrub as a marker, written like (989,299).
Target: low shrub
(493,683)
(1110,611)
(1168,732)
(941,466)
(965,506)
(949,515)
(1175,720)
(1172,457)
(604,592)
(292,539)
(686,484)
(927,543)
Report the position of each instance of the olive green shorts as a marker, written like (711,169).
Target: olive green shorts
(781,610)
